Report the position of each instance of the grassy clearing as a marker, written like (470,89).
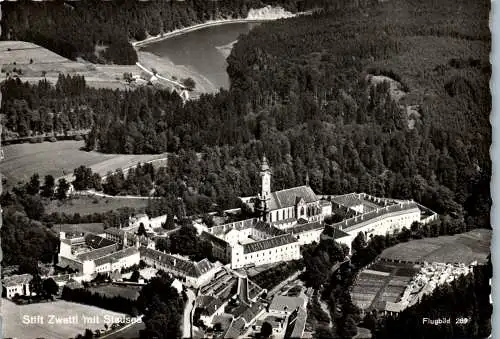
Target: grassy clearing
(464,248)
(60,159)
(54,158)
(14,327)
(89,205)
(130,292)
(97,227)
(36,61)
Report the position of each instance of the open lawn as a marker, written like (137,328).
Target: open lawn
(97,227)
(41,314)
(130,292)
(460,248)
(34,60)
(92,204)
(60,159)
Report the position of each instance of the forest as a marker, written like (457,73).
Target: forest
(80,29)
(315,94)
(307,104)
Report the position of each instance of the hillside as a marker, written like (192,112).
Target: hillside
(300,94)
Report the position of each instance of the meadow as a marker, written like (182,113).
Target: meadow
(460,248)
(13,315)
(59,159)
(97,227)
(37,63)
(91,204)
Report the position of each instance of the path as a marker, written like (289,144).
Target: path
(121,328)
(188,314)
(104,195)
(175,83)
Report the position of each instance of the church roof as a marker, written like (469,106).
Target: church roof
(269,243)
(289,197)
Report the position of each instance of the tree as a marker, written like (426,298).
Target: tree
(50,287)
(169,223)
(83,178)
(359,242)
(62,189)
(189,83)
(135,276)
(127,76)
(266,330)
(48,186)
(34,207)
(141,230)
(33,186)
(36,285)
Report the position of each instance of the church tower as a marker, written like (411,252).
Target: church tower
(265,173)
(265,195)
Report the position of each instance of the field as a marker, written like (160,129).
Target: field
(88,205)
(460,248)
(60,159)
(97,227)
(22,53)
(14,327)
(382,282)
(130,292)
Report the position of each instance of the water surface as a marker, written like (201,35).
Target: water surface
(198,49)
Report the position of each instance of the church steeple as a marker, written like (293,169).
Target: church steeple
(265,195)
(265,173)
(307,178)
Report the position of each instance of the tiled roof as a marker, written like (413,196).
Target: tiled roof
(288,197)
(113,257)
(95,241)
(236,329)
(316,225)
(325,203)
(253,289)
(252,312)
(285,303)
(212,238)
(114,231)
(184,266)
(268,229)
(209,304)
(98,253)
(356,222)
(269,243)
(334,233)
(300,324)
(15,280)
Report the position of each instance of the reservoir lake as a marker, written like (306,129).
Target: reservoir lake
(201,51)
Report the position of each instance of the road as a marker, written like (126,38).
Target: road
(188,314)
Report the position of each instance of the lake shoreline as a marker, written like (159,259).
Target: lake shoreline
(167,68)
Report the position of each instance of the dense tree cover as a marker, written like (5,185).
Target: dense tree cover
(25,240)
(270,278)
(320,259)
(186,242)
(84,296)
(77,29)
(466,297)
(162,308)
(300,94)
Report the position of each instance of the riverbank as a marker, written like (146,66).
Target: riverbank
(253,17)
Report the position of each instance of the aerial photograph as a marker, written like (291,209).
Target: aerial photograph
(265,169)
